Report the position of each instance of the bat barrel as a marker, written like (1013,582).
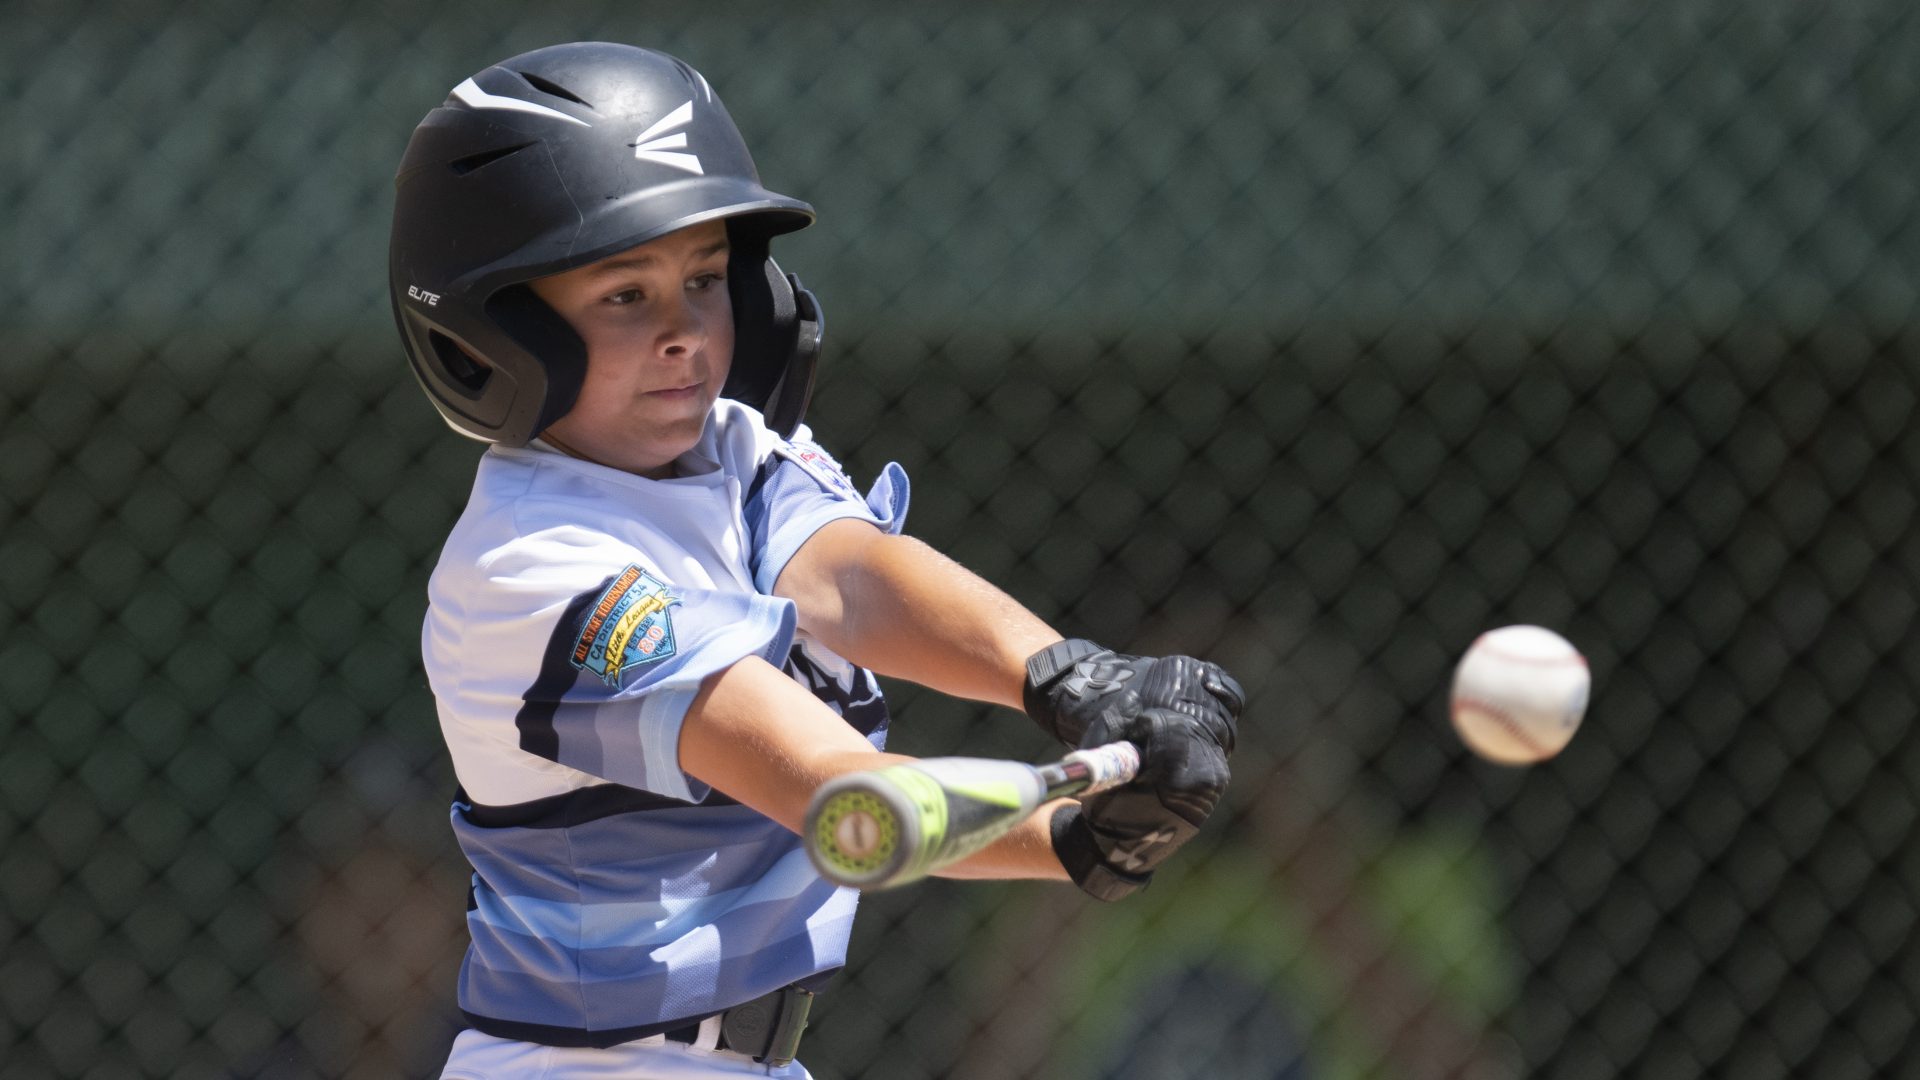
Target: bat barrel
(863,829)
(898,823)
(888,826)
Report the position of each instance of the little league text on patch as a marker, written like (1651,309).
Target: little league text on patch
(629,624)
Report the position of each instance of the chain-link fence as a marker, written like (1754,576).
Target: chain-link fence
(1311,338)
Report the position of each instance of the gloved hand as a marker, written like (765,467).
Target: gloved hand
(1112,842)
(1073,683)
(1181,712)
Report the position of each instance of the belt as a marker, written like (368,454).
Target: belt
(767,1028)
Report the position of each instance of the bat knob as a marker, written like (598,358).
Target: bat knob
(860,834)
(860,830)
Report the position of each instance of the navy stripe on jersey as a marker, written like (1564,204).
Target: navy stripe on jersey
(612,913)
(557,673)
(857,700)
(622,723)
(853,692)
(551,1035)
(754,504)
(638,919)
(577,807)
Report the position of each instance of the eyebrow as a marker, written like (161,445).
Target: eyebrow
(633,262)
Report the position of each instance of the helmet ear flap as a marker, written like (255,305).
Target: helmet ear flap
(788,400)
(520,371)
(475,398)
(777,336)
(539,331)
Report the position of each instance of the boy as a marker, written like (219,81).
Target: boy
(653,632)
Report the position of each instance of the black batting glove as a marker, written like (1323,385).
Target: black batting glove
(1074,683)
(1111,843)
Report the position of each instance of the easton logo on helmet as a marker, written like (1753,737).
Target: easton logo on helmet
(656,146)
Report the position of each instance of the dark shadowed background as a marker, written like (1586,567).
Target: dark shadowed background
(1313,338)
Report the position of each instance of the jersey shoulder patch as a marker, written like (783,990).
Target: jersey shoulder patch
(630,624)
(818,463)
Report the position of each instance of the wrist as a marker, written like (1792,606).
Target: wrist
(1044,668)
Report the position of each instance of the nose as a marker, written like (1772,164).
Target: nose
(683,330)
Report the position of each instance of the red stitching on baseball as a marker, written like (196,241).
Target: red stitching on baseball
(1507,722)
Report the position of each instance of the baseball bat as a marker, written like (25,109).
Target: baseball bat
(884,827)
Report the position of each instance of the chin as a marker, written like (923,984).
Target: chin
(680,434)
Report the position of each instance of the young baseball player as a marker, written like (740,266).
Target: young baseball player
(653,632)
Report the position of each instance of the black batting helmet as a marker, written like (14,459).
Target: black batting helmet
(554,159)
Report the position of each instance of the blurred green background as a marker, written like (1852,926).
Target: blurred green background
(1313,338)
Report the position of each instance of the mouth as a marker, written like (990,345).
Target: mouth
(677,393)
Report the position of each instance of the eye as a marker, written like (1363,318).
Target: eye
(703,282)
(624,297)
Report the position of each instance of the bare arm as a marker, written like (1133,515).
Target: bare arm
(757,735)
(898,607)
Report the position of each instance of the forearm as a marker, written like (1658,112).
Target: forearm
(754,734)
(1025,852)
(912,613)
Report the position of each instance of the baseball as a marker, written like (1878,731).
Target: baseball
(1519,694)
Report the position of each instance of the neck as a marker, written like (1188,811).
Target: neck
(664,472)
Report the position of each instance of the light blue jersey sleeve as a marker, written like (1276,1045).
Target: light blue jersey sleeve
(623,665)
(798,489)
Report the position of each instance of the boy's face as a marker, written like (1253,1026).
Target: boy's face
(658,326)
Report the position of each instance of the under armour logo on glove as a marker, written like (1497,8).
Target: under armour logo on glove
(1071,684)
(1133,858)
(1117,839)
(1096,677)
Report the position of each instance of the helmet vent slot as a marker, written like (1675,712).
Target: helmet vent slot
(455,362)
(694,78)
(465,165)
(548,87)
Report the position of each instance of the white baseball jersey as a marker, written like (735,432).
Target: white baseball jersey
(574,612)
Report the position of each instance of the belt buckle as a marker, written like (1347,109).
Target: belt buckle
(768,1027)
